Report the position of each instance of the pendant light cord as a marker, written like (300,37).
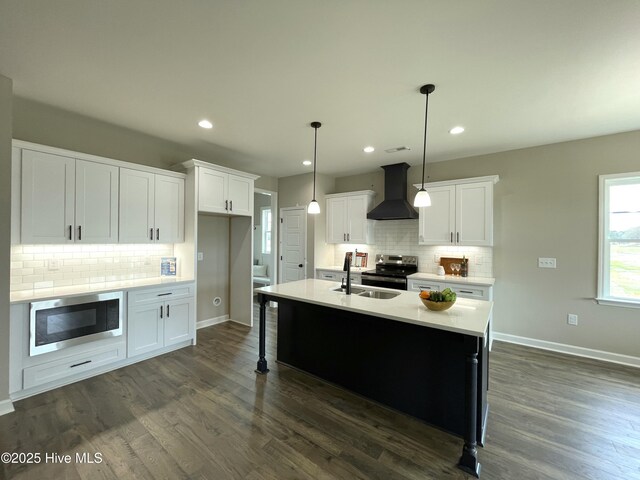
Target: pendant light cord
(424,145)
(315,153)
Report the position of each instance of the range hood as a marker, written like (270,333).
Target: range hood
(395,205)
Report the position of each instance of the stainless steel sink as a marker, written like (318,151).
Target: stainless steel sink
(378,294)
(354,290)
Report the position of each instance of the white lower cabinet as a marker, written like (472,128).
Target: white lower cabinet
(66,367)
(160,317)
(338,276)
(464,290)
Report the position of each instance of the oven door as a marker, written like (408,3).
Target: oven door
(398,283)
(61,323)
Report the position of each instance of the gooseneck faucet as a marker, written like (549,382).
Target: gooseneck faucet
(347,268)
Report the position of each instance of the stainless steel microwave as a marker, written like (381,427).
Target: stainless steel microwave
(62,323)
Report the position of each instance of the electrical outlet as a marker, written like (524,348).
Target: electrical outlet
(53,264)
(478,260)
(546,262)
(572,319)
(200,256)
(436,259)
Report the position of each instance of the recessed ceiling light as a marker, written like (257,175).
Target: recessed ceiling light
(368,149)
(205,124)
(456,130)
(306,163)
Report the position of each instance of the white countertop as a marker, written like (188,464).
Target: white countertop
(336,268)
(39,294)
(486,281)
(466,316)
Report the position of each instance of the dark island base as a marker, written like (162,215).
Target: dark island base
(438,376)
(417,370)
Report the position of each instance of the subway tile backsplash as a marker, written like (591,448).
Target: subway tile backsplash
(401,237)
(49,266)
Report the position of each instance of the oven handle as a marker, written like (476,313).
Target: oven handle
(383,279)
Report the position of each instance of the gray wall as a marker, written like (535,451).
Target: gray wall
(47,125)
(6,94)
(546,205)
(213,270)
(297,190)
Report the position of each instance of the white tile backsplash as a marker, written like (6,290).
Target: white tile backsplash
(83,264)
(401,237)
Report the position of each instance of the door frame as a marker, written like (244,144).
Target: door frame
(274,230)
(280,236)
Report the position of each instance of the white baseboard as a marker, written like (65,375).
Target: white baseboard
(6,406)
(569,349)
(212,321)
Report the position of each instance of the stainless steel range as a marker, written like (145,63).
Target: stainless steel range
(391,271)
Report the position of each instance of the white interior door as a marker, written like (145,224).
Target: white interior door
(293,243)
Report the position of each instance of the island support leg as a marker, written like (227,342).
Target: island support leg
(469,459)
(262,361)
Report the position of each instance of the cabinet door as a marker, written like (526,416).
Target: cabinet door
(474,214)
(240,195)
(357,223)
(96,203)
(48,184)
(337,220)
(179,321)
(436,224)
(212,191)
(145,331)
(169,209)
(136,206)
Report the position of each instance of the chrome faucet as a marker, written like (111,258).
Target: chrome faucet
(347,268)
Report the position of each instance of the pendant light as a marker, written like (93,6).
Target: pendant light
(314,206)
(422,197)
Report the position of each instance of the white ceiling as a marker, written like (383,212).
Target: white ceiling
(514,73)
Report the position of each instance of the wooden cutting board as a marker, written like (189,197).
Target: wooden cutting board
(446,263)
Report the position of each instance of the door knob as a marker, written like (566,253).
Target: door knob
(300,265)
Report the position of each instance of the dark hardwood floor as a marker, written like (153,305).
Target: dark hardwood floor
(202,412)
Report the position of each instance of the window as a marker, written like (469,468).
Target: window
(265,222)
(619,256)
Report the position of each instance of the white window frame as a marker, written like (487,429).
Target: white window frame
(605,181)
(264,230)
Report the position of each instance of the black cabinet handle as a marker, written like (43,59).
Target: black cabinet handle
(465,291)
(161,307)
(168,312)
(348,237)
(451,237)
(231,205)
(163,294)
(81,363)
(300,265)
(151,234)
(226,204)
(457,237)
(79,232)
(157,234)
(70,232)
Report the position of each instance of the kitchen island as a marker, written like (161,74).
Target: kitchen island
(431,365)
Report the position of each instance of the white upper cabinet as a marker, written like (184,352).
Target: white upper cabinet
(96,202)
(65,200)
(347,217)
(240,195)
(222,190)
(151,207)
(461,213)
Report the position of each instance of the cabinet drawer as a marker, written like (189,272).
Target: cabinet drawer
(470,291)
(66,367)
(417,285)
(160,294)
(326,275)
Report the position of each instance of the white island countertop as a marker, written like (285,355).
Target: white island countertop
(466,316)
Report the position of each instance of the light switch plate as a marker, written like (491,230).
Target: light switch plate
(200,256)
(53,264)
(546,262)
(572,319)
